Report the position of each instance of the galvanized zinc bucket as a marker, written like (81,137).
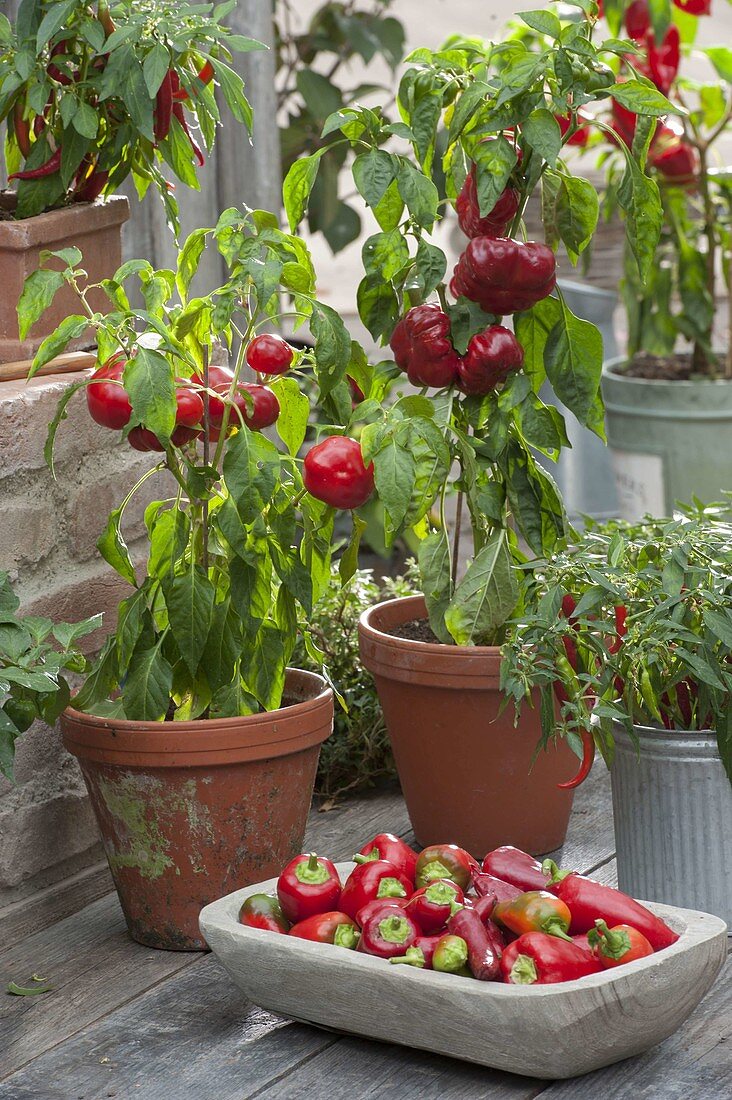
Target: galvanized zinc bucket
(672,811)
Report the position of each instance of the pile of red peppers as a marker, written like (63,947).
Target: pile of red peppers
(510,919)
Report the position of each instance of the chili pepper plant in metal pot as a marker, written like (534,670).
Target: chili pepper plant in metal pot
(669,400)
(93,94)
(630,631)
(198,743)
(473,405)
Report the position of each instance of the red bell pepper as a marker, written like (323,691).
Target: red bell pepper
(588,901)
(423,349)
(534,911)
(491,356)
(538,959)
(503,275)
(370,881)
(263,911)
(445,861)
(336,928)
(617,946)
(484,953)
(420,954)
(450,955)
(388,935)
(432,905)
(309,884)
(517,868)
(493,224)
(377,906)
(390,847)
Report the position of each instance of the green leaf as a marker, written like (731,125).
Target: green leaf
(251,472)
(223,646)
(348,564)
(132,618)
(148,379)
(146,691)
(419,193)
(265,671)
(189,600)
(577,212)
(113,548)
(486,595)
(388,212)
(545,22)
(433,557)
(8,734)
(38,292)
(394,475)
(535,502)
(52,21)
(430,265)
(232,87)
(640,198)
(643,99)
(298,184)
(372,173)
(332,346)
(378,305)
(495,160)
(321,96)
(155,67)
(721,626)
(573,361)
(168,540)
(532,330)
(132,89)
(541,131)
(721,59)
(292,422)
(385,254)
(85,120)
(71,328)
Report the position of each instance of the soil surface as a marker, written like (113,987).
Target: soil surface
(665,368)
(416,630)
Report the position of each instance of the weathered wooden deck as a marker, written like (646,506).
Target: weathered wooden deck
(128,1022)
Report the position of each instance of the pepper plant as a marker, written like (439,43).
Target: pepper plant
(632,625)
(95,92)
(241,545)
(493,109)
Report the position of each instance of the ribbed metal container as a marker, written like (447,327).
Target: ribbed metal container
(672,811)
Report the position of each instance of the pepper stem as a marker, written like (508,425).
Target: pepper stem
(312,872)
(550,868)
(346,935)
(523,971)
(413,957)
(373,854)
(390,888)
(394,929)
(613,943)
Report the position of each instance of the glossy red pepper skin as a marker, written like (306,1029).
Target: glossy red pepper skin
(673,157)
(538,959)
(589,901)
(163,114)
(388,935)
(423,349)
(484,954)
(263,911)
(588,759)
(618,945)
(420,954)
(663,60)
(205,74)
(432,905)
(334,472)
(491,357)
(371,881)
(47,169)
(21,126)
(334,928)
(695,7)
(268,354)
(371,908)
(503,275)
(638,20)
(493,224)
(489,886)
(394,850)
(444,861)
(517,868)
(534,911)
(93,186)
(258,405)
(107,401)
(309,884)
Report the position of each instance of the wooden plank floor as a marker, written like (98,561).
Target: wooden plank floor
(127,1022)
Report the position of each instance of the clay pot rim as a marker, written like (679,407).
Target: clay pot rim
(418,603)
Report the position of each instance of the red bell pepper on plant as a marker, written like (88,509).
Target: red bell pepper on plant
(371,881)
(106,397)
(268,354)
(496,221)
(588,900)
(695,7)
(491,356)
(444,861)
(388,934)
(538,959)
(336,928)
(263,911)
(503,275)
(394,850)
(432,905)
(378,905)
(422,347)
(309,884)
(638,20)
(517,868)
(617,946)
(450,955)
(534,911)
(334,472)
(484,953)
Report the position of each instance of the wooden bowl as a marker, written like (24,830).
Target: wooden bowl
(547,1031)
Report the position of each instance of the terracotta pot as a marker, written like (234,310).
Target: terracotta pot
(465,770)
(94,228)
(189,811)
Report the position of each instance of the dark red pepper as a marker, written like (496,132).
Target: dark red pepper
(618,945)
(588,759)
(489,886)
(673,157)
(205,74)
(391,848)
(638,20)
(370,881)
(371,908)
(90,186)
(423,349)
(336,928)
(445,861)
(661,64)
(308,884)
(517,868)
(420,954)
(263,911)
(538,959)
(432,905)
(334,471)
(163,108)
(695,7)
(491,356)
(484,954)
(534,911)
(21,126)
(47,169)
(388,935)
(179,113)
(503,275)
(496,221)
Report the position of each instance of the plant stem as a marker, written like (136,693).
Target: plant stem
(204,517)
(456,536)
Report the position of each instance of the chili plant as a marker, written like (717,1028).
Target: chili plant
(240,551)
(493,108)
(95,93)
(631,625)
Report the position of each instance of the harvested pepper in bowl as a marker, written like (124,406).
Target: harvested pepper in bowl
(516,867)
(394,850)
(309,884)
(538,959)
(433,905)
(618,945)
(336,928)
(444,861)
(263,911)
(370,881)
(388,934)
(534,911)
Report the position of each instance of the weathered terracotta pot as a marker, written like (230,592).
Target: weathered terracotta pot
(94,228)
(189,811)
(465,770)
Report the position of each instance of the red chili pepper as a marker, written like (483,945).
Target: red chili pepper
(517,868)
(450,955)
(423,349)
(163,108)
(420,954)
(673,157)
(378,905)
(47,169)
(205,75)
(370,881)
(534,911)
(394,850)
(432,905)
(179,113)
(588,759)
(489,886)
(538,959)
(92,188)
(388,935)
(496,221)
(263,911)
(695,7)
(503,275)
(484,956)
(53,70)
(618,945)
(589,901)
(491,356)
(621,628)
(21,126)
(336,928)
(444,861)
(309,884)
